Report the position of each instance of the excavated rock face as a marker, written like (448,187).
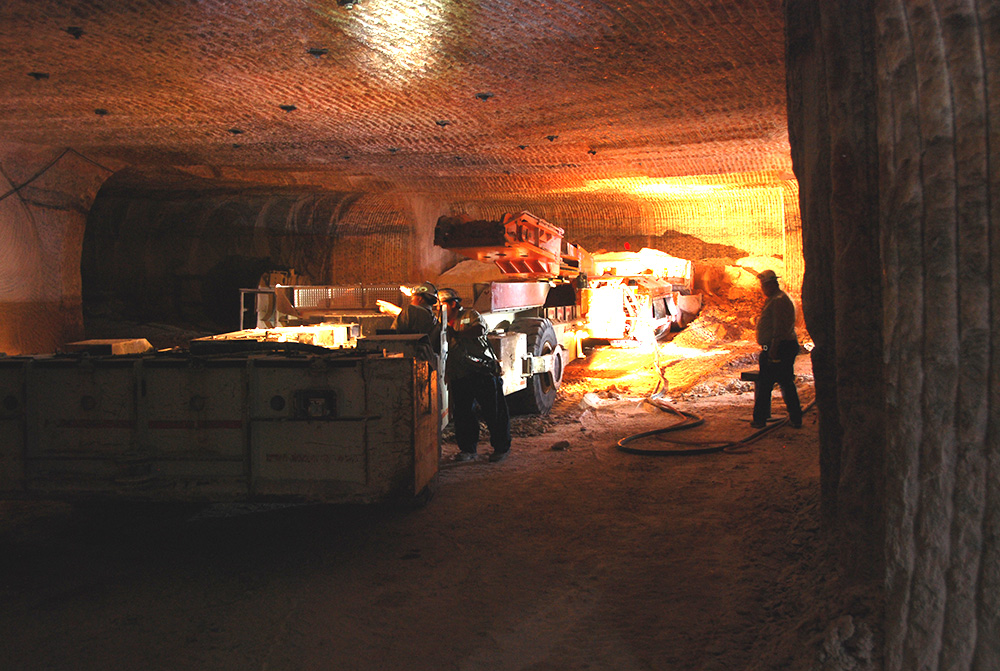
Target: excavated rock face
(438,96)
(832,120)
(42,217)
(649,123)
(892,119)
(164,254)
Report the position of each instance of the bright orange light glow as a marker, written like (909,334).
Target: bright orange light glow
(673,351)
(644,262)
(605,310)
(665,189)
(644,186)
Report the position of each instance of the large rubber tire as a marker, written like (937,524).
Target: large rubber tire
(540,394)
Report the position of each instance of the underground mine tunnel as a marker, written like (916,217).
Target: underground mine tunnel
(158,157)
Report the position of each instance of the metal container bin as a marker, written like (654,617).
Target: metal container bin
(356,429)
(12,403)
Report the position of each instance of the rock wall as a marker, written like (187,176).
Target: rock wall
(938,83)
(45,193)
(168,254)
(893,109)
(832,129)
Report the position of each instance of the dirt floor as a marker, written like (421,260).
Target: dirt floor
(571,554)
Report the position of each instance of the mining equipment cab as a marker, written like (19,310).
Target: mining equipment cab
(639,295)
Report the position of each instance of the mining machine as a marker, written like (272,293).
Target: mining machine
(558,294)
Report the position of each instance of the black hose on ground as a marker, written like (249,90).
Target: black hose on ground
(689,421)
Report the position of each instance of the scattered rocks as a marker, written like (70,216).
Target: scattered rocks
(532,425)
(704,389)
(847,646)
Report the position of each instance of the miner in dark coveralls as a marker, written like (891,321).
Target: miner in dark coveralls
(419,315)
(473,377)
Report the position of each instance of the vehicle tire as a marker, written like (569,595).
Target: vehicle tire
(540,394)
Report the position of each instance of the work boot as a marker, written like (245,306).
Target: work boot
(465,456)
(499,456)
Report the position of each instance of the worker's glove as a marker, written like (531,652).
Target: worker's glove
(486,365)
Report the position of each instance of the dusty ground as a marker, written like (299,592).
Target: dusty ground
(571,554)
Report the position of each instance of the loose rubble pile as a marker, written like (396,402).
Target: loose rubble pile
(721,320)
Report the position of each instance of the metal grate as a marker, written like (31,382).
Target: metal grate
(311,297)
(354,297)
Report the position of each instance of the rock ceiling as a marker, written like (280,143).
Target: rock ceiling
(488,96)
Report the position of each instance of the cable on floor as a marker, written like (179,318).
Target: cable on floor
(689,421)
